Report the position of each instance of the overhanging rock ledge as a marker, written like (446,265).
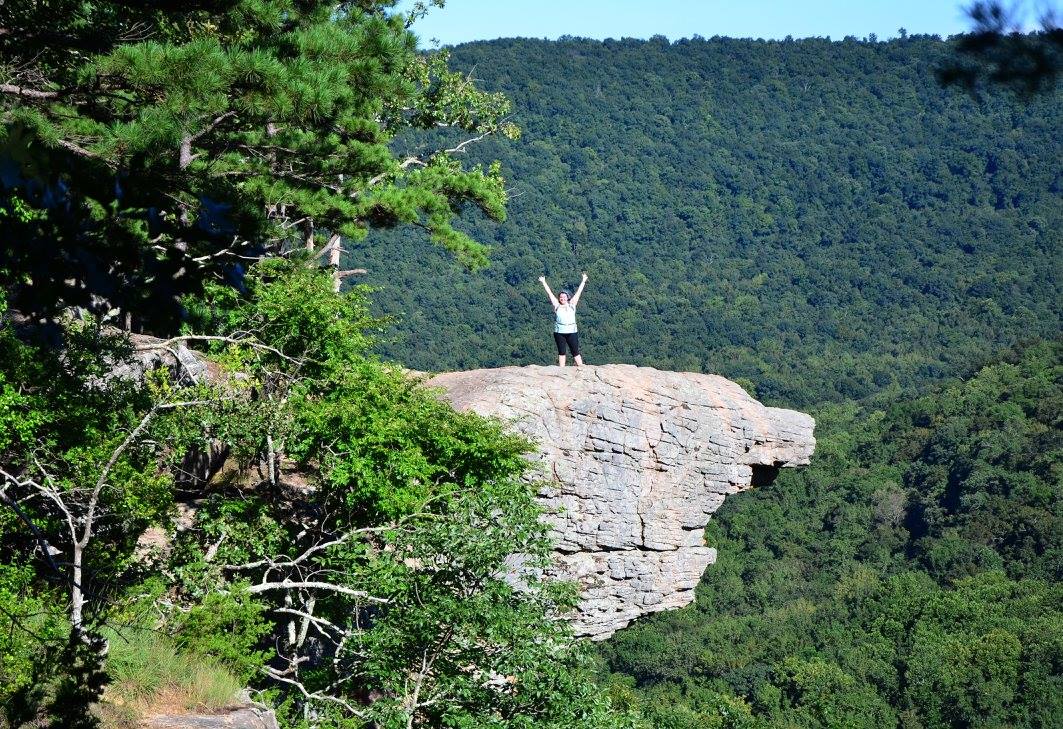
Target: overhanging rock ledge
(636,460)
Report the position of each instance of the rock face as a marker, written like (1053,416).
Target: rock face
(636,461)
(238,717)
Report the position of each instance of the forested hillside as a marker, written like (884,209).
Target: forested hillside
(826,223)
(213,488)
(910,577)
(819,218)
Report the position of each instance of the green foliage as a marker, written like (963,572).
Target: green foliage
(909,577)
(817,693)
(63,431)
(987,464)
(144,666)
(357,566)
(228,627)
(290,305)
(394,446)
(819,218)
(406,510)
(30,624)
(159,146)
(809,217)
(83,477)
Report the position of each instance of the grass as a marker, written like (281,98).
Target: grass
(149,675)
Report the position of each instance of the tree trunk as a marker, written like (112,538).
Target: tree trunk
(334,260)
(77,595)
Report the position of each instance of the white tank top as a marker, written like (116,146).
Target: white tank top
(565,319)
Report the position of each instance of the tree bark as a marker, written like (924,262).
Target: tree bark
(334,260)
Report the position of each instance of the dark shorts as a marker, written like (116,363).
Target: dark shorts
(571,340)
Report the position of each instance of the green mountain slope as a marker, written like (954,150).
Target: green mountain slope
(909,577)
(819,218)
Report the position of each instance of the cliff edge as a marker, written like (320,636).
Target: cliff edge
(635,461)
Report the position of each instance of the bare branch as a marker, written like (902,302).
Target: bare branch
(213,125)
(229,251)
(77,594)
(460,149)
(278,676)
(81,151)
(212,550)
(27,93)
(314,585)
(419,162)
(186,157)
(408,162)
(312,550)
(42,540)
(414,700)
(53,493)
(312,618)
(90,510)
(212,338)
(310,603)
(334,260)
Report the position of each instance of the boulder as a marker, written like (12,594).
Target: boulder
(633,461)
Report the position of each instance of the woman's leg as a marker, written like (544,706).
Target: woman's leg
(573,344)
(559,340)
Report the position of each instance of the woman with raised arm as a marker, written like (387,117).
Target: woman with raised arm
(565,335)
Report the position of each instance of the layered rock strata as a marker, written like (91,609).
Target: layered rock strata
(635,461)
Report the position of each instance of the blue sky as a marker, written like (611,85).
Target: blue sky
(465,20)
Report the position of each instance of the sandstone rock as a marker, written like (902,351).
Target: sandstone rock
(635,461)
(239,717)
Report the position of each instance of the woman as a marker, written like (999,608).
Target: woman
(565,335)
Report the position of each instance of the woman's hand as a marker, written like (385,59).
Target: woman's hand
(584,275)
(542,279)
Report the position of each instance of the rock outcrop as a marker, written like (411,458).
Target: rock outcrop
(635,461)
(236,717)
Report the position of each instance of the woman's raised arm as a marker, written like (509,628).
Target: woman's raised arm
(553,299)
(575,299)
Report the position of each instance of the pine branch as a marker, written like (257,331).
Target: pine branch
(186,156)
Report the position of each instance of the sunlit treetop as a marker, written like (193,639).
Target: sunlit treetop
(172,140)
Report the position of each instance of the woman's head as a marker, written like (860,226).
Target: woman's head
(563,297)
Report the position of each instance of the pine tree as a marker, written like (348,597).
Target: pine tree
(163,143)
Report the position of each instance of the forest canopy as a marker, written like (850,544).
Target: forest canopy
(211,490)
(211,482)
(819,218)
(170,143)
(910,577)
